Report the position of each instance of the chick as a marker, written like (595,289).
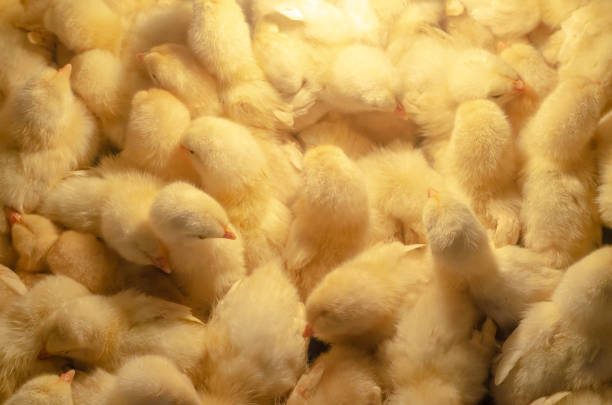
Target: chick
(32,237)
(604,158)
(10,285)
(480,162)
(343,375)
(107,330)
(152,379)
(397,180)
(261,363)
(234,170)
(173,68)
(245,94)
(21,329)
(601,396)
(46,389)
(156,123)
(332,203)
(8,255)
(93,387)
(510,19)
(358,301)
(554,12)
(205,253)
(561,344)
(558,178)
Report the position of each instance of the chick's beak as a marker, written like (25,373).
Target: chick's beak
(68,376)
(65,70)
(140,56)
(433,193)
(161,263)
(519,86)
(43,354)
(308,332)
(228,234)
(400,110)
(13,216)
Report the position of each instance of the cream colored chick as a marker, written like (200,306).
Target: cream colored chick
(227,54)
(152,380)
(397,181)
(92,387)
(107,330)
(156,123)
(502,282)
(358,301)
(602,396)
(466,30)
(554,12)
(32,237)
(47,132)
(174,68)
(604,158)
(332,202)
(260,363)
(46,389)
(506,19)
(558,180)
(561,344)
(344,375)
(480,162)
(205,254)
(11,286)
(21,327)
(234,170)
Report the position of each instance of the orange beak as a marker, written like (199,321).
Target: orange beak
(68,376)
(229,234)
(433,193)
(519,86)
(43,354)
(162,264)
(14,217)
(308,332)
(65,70)
(400,110)
(141,56)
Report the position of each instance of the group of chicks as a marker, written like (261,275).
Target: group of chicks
(194,190)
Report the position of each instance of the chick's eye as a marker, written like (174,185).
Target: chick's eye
(201,237)
(497,96)
(192,152)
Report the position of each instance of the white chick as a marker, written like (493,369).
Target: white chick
(173,68)
(506,19)
(205,253)
(234,170)
(561,344)
(358,301)
(397,181)
(152,380)
(107,330)
(343,375)
(480,162)
(45,390)
(332,202)
(559,174)
(260,363)
(156,123)
(11,286)
(32,237)
(228,55)
(604,158)
(21,328)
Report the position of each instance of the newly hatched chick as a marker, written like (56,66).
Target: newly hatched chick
(92,387)
(344,375)
(397,180)
(604,160)
(358,301)
(261,363)
(32,237)
(227,54)
(558,180)
(554,12)
(561,344)
(46,389)
(332,203)
(21,331)
(601,396)
(156,123)
(173,68)
(107,330)
(506,19)
(480,161)
(234,170)
(149,380)
(11,286)
(205,254)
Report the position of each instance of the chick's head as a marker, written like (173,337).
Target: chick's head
(164,64)
(46,389)
(181,212)
(478,74)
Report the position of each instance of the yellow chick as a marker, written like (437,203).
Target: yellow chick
(46,389)
(601,396)
(8,255)
(33,236)
(11,286)
(506,19)
(332,203)
(554,12)
(173,68)
(604,158)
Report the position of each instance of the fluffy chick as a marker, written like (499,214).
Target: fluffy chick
(506,19)
(157,120)
(205,254)
(46,389)
(173,68)
(10,285)
(343,375)
(358,301)
(604,159)
(234,170)
(601,396)
(480,162)
(8,255)
(261,363)
(558,180)
(332,203)
(554,12)
(228,55)
(107,330)
(32,237)
(21,331)
(561,344)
